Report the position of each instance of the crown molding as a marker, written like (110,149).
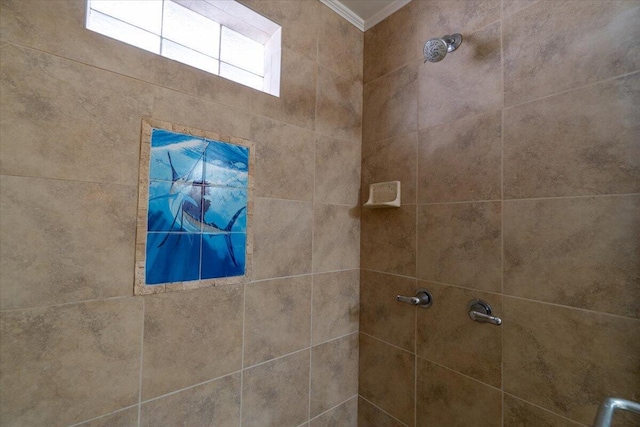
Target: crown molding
(358,22)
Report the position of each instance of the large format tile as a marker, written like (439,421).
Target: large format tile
(461,160)
(296,104)
(340,46)
(387,378)
(440,17)
(371,416)
(345,415)
(335,304)
(337,179)
(339,106)
(578,143)
(392,159)
(461,244)
(446,398)
(391,43)
(334,373)
(459,343)
(381,315)
(580,252)
(554,46)
(58,116)
(336,238)
(567,360)
(213,404)
(277,318)
(282,238)
(284,160)
(388,240)
(62,365)
(468,81)
(509,7)
(390,104)
(65,241)
(276,393)
(191,337)
(518,413)
(125,418)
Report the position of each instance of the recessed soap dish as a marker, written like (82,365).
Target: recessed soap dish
(384,195)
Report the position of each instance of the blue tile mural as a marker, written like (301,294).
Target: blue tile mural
(197,208)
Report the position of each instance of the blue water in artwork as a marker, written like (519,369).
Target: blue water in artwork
(197,186)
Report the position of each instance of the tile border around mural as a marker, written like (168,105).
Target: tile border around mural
(140,288)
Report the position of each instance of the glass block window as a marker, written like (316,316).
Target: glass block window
(194,206)
(221,37)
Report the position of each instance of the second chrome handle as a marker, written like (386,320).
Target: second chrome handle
(480,311)
(422,299)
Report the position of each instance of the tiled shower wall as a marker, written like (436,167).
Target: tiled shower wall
(76,345)
(519,156)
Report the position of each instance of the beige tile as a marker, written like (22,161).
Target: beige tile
(339,106)
(518,413)
(446,398)
(509,7)
(62,365)
(578,143)
(459,343)
(58,116)
(282,239)
(388,240)
(371,416)
(461,160)
(580,252)
(216,403)
(186,110)
(193,81)
(387,378)
(65,241)
(598,41)
(277,393)
(393,159)
(284,160)
(334,373)
(335,304)
(299,21)
(277,318)
(296,104)
(191,337)
(567,360)
(460,244)
(468,81)
(340,46)
(336,238)
(390,44)
(58,27)
(381,315)
(337,179)
(345,415)
(437,18)
(390,104)
(124,418)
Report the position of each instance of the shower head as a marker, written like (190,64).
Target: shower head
(436,49)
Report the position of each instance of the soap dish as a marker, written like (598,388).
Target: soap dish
(384,195)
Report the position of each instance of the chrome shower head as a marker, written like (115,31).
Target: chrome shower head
(436,49)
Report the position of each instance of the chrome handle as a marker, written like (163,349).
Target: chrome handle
(480,311)
(422,299)
(608,407)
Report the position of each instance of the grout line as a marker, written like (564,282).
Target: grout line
(544,409)
(192,386)
(502,75)
(141,364)
(83,181)
(244,315)
(388,343)
(103,415)
(355,396)
(382,410)
(460,373)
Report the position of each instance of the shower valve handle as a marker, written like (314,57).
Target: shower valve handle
(422,299)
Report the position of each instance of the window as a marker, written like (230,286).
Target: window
(222,37)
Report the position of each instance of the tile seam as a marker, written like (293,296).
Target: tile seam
(382,410)
(498,389)
(333,407)
(544,409)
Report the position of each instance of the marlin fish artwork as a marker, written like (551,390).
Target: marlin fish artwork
(197,207)
(189,207)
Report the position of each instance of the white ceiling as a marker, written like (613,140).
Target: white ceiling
(364,14)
